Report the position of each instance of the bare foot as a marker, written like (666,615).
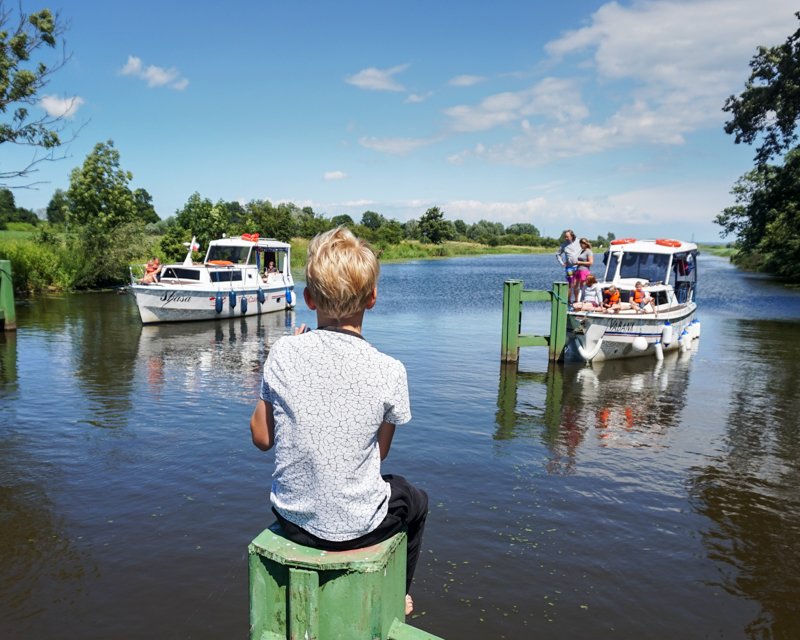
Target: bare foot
(409,605)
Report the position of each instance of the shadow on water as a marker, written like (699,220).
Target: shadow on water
(624,403)
(749,491)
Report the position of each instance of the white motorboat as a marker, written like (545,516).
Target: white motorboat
(667,270)
(233,280)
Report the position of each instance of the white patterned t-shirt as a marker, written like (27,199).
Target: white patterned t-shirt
(330,391)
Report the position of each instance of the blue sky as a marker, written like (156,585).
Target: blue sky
(600,116)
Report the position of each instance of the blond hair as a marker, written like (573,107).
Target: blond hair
(341,273)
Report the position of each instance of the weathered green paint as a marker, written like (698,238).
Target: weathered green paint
(511,339)
(8,313)
(300,593)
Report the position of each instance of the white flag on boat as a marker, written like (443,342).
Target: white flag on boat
(193,246)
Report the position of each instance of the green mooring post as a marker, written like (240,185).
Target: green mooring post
(300,593)
(8,314)
(511,340)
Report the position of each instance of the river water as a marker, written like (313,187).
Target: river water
(626,500)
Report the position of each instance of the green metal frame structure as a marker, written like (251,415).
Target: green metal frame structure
(511,341)
(8,313)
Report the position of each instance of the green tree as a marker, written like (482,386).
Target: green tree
(22,38)
(522,228)
(769,106)
(105,232)
(390,232)
(57,207)
(372,220)
(143,204)
(485,231)
(342,220)
(766,216)
(433,227)
(7,204)
(272,222)
(98,194)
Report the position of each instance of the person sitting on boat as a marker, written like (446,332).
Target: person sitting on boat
(641,300)
(567,256)
(270,268)
(592,296)
(611,301)
(151,271)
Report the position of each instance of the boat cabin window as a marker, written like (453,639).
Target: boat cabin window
(278,257)
(684,276)
(236,255)
(182,274)
(232,275)
(638,266)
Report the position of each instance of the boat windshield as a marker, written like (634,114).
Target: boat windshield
(236,255)
(639,266)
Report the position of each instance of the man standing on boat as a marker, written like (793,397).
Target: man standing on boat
(567,256)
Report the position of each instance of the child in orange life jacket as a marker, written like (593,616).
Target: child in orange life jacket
(640,299)
(611,299)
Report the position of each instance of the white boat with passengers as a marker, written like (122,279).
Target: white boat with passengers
(241,276)
(667,270)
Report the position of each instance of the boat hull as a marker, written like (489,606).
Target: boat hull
(595,337)
(159,303)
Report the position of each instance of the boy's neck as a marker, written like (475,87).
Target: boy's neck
(351,323)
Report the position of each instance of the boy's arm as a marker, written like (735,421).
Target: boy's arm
(262,426)
(385,435)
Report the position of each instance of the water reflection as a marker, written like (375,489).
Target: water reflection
(625,403)
(749,491)
(8,360)
(203,352)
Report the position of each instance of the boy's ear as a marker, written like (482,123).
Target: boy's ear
(309,300)
(373,298)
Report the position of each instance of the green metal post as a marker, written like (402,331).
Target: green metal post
(8,314)
(512,319)
(558,320)
(297,592)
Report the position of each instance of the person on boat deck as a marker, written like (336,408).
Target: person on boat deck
(151,271)
(329,404)
(567,256)
(592,295)
(270,269)
(611,301)
(641,300)
(584,262)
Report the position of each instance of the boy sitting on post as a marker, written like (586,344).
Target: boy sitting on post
(329,404)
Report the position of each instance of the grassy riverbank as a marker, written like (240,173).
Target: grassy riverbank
(41,260)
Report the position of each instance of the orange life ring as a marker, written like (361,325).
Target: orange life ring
(666,242)
(221,263)
(623,240)
(250,237)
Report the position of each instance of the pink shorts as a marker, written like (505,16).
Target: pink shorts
(583,274)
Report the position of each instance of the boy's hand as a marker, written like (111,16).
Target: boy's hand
(301,329)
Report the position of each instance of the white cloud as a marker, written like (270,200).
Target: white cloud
(552,98)
(153,75)
(466,80)
(664,68)
(415,98)
(395,146)
(373,79)
(61,107)
(334,175)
